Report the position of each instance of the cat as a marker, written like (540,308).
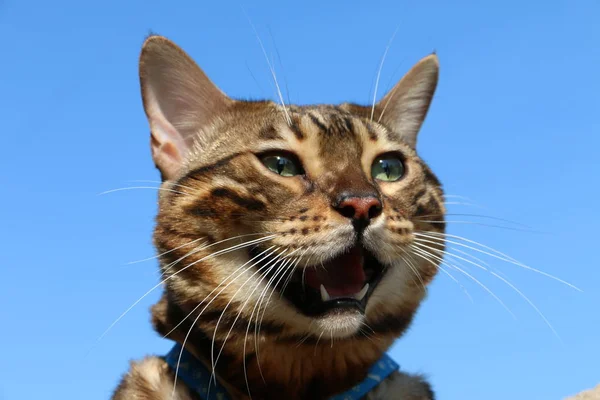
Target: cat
(285,236)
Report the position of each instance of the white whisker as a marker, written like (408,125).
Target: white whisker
(291,267)
(224,251)
(239,269)
(505,281)
(170,266)
(318,339)
(266,266)
(283,269)
(166,252)
(160,183)
(412,267)
(501,255)
(142,187)
(510,228)
(420,250)
(256,330)
(186,338)
(448,214)
(528,301)
(287,116)
(464,289)
(387,48)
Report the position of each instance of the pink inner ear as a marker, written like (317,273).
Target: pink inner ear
(166,149)
(167,156)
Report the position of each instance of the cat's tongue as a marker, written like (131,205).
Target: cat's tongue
(343,276)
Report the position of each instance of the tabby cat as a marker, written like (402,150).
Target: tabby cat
(284,235)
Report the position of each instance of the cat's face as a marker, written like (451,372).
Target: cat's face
(299,220)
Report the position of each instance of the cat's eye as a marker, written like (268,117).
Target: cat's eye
(282,164)
(387,168)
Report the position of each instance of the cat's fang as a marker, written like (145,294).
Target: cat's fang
(324,295)
(360,295)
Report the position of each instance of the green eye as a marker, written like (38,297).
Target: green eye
(282,165)
(388,168)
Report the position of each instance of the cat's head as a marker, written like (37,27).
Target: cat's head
(298,219)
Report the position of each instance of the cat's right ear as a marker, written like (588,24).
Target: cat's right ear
(179,99)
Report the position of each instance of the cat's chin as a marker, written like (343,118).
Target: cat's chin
(338,323)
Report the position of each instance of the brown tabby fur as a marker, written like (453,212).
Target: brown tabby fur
(216,188)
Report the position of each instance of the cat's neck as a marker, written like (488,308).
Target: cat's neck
(274,367)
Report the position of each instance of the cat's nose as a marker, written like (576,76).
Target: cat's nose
(359,208)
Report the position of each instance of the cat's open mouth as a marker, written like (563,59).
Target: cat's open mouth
(346,281)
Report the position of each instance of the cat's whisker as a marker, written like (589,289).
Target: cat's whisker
(479,260)
(464,289)
(425,254)
(256,328)
(366,335)
(456,196)
(272,70)
(302,281)
(269,284)
(240,217)
(217,253)
(279,257)
(364,324)
(387,48)
(171,265)
(503,280)
(391,94)
(537,310)
(508,221)
(285,82)
(462,203)
(460,285)
(195,322)
(317,343)
(143,187)
(445,222)
(301,341)
(167,252)
(412,267)
(212,353)
(289,267)
(167,268)
(222,289)
(500,256)
(253,242)
(453,278)
(286,282)
(170,183)
(262,276)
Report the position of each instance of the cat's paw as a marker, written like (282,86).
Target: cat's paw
(401,386)
(150,379)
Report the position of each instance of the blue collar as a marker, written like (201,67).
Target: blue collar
(198,378)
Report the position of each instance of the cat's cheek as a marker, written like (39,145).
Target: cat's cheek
(395,289)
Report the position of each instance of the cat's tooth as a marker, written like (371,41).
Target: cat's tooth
(324,295)
(360,295)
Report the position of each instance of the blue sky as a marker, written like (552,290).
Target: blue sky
(514,128)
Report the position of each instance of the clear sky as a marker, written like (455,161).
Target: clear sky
(514,128)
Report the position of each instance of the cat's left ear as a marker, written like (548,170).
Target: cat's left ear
(404,107)
(180,101)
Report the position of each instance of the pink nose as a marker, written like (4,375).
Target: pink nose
(360,208)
